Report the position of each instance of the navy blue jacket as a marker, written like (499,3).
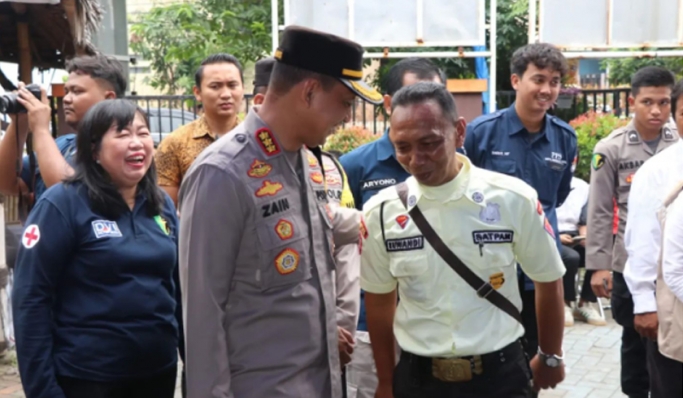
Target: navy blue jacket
(94,299)
(67,147)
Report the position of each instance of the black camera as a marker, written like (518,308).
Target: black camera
(9,103)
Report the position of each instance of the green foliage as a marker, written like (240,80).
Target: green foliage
(349,138)
(622,69)
(590,128)
(176,38)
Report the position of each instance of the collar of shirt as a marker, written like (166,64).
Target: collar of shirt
(385,149)
(515,125)
(202,128)
(453,190)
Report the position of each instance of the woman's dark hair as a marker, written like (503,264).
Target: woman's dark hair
(104,196)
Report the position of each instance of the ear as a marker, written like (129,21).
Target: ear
(460,130)
(308,89)
(109,95)
(197,93)
(258,99)
(514,80)
(387,104)
(631,100)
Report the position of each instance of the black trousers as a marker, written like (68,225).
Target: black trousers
(665,373)
(509,379)
(635,380)
(160,386)
(573,259)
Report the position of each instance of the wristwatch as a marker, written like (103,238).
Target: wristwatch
(551,361)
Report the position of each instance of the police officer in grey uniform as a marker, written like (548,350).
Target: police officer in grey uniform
(259,299)
(616,158)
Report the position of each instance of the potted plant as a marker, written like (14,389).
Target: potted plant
(566,98)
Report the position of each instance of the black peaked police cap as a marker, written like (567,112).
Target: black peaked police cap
(329,55)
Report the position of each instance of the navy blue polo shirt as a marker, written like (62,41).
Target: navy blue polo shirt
(93,298)
(67,147)
(499,142)
(369,169)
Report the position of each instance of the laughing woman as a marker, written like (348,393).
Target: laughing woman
(94,295)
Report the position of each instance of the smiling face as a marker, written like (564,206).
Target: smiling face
(537,89)
(425,142)
(126,155)
(326,109)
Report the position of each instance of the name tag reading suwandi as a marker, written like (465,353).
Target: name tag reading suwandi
(405,244)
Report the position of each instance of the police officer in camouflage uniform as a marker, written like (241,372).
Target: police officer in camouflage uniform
(259,300)
(616,159)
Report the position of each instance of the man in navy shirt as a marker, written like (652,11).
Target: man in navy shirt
(91,80)
(369,169)
(525,142)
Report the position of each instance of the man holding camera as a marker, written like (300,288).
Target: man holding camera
(91,79)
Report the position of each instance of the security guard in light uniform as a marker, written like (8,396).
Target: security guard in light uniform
(259,300)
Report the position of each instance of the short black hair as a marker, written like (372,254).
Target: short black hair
(284,77)
(260,90)
(676,94)
(103,194)
(651,76)
(423,68)
(219,58)
(542,55)
(101,67)
(426,91)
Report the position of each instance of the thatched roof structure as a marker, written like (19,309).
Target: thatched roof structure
(57,31)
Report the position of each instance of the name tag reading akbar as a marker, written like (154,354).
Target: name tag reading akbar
(405,244)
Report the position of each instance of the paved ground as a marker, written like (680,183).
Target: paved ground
(592,358)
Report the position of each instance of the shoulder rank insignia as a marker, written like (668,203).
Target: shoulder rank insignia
(268,188)
(259,169)
(287,261)
(548,227)
(267,142)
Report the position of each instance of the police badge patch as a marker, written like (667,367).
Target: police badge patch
(598,161)
(490,214)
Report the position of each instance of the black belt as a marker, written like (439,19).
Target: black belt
(488,362)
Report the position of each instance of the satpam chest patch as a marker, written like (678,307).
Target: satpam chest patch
(492,236)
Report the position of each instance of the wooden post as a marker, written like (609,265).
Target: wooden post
(24,42)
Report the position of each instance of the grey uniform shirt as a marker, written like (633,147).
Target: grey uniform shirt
(257,271)
(616,158)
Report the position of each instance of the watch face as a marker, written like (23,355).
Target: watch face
(552,362)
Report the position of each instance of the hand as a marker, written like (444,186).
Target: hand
(38,110)
(545,377)
(566,239)
(345,343)
(646,325)
(384,390)
(601,283)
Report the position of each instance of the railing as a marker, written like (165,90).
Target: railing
(613,100)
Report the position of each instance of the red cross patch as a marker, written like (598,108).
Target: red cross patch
(31,236)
